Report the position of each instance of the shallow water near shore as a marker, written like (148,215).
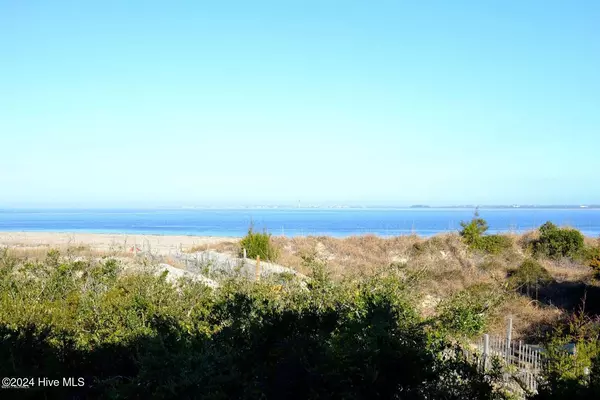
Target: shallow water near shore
(290,222)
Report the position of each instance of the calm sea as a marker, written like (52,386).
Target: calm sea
(291,222)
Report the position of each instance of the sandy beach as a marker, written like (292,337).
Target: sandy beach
(162,244)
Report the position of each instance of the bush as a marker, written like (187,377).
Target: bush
(530,275)
(466,313)
(471,232)
(258,245)
(493,244)
(570,376)
(473,235)
(592,257)
(555,242)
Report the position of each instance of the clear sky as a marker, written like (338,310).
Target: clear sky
(118,103)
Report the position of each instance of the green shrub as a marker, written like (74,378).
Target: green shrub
(472,231)
(592,258)
(493,244)
(555,242)
(466,313)
(530,276)
(473,235)
(258,245)
(570,376)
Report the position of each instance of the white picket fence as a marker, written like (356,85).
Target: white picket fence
(523,362)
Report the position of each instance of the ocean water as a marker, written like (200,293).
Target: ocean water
(291,222)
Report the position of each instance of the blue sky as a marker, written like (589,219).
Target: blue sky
(114,103)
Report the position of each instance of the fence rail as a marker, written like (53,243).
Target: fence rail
(523,362)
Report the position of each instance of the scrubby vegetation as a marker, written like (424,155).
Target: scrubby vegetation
(572,376)
(138,336)
(377,318)
(592,257)
(530,276)
(473,235)
(555,242)
(258,244)
(465,314)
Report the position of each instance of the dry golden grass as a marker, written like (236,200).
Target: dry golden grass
(530,319)
(352,256)
(225,246)
(566,270)
(40,252)
(366,255)
(445,266)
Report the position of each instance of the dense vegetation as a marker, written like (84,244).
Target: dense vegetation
(555,242)
(133,334)
(592,257)
(464,314)
(139,336)
(564,375)
(572,376)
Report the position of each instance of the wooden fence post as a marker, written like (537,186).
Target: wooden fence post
(486,350)
(508,339)
(245,253)
(520,356)
(257,267)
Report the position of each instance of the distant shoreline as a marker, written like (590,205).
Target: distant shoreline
(315,207)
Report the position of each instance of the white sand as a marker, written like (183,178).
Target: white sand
(161,244)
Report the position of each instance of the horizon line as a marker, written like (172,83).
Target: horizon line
(306,206)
